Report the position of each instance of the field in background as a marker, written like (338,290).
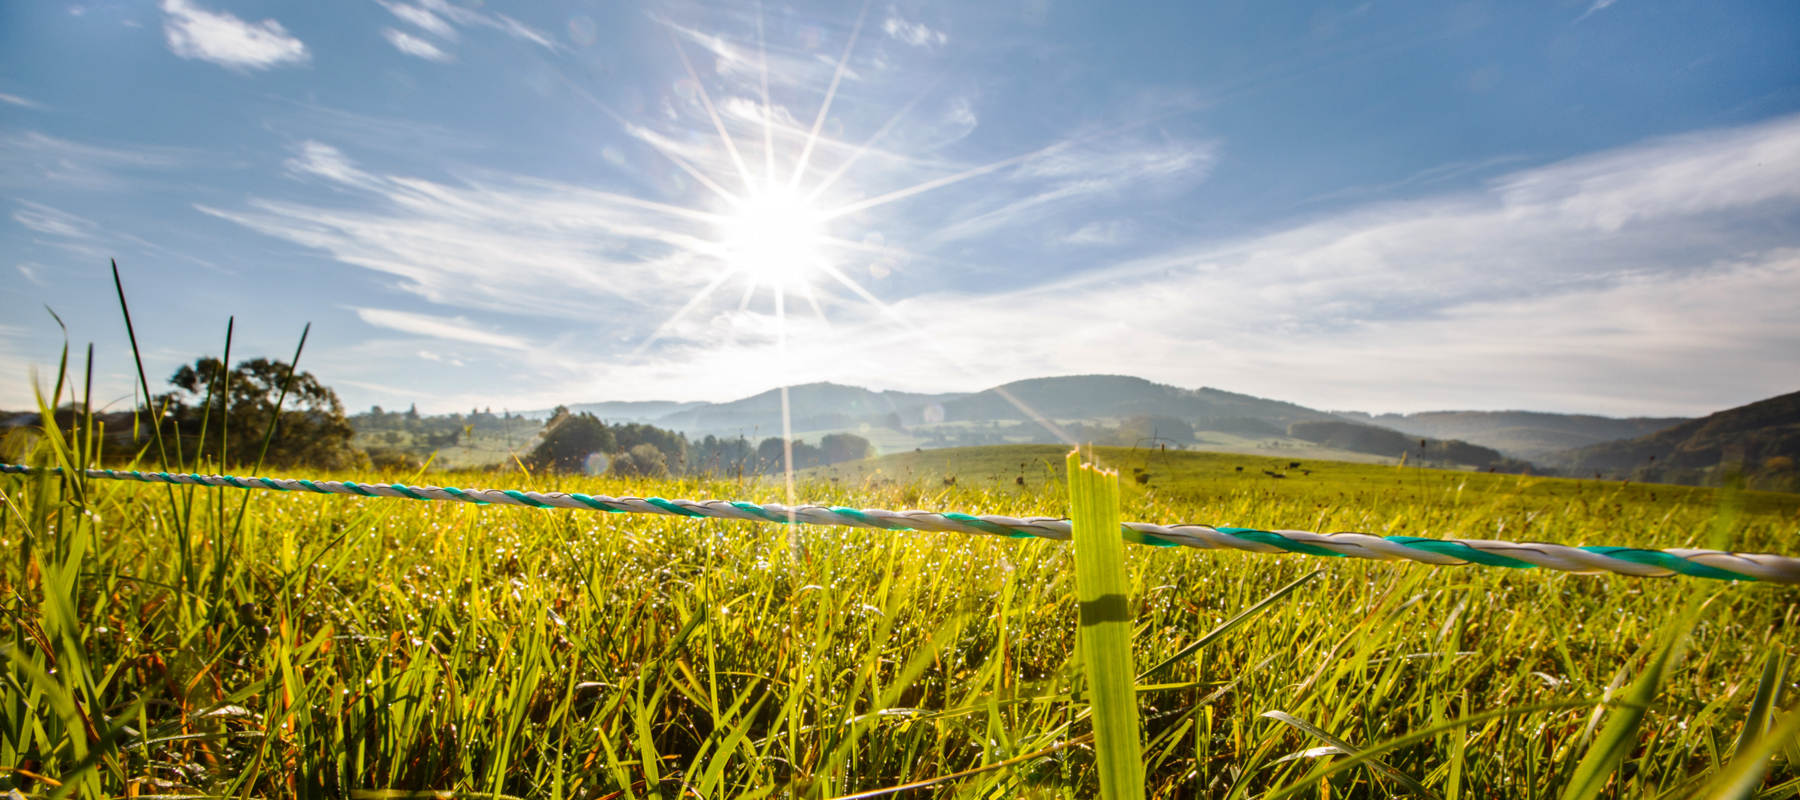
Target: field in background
(1347,492)
(328,644)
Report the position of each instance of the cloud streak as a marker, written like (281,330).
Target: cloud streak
(512,245)
(414,46)
(30,160)
(455,329)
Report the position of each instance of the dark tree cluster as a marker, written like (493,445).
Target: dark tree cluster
(1377,440)
(629,449)
(223,415)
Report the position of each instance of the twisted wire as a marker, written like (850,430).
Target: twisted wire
(1699,563)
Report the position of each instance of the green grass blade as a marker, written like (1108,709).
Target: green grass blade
(1418,789)
(1620,735)
(1757,722)
(1744,775)
(1229,625)
(1105,638)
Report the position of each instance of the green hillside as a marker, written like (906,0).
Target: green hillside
(1114,396)
(1528,435)
(1761,439)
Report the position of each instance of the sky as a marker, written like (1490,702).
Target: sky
(1586,206)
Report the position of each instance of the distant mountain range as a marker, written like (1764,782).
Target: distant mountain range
(829,407)
(1086,407)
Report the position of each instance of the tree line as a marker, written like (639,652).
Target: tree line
(580,442)
(263,413)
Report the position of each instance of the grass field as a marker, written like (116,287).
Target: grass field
(219,642)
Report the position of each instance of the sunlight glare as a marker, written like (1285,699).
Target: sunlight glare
(774,237)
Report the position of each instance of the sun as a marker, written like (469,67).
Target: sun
(774,237)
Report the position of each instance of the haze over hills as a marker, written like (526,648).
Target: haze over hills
(1078,397)
(1093,399)
(625,410)
(1762,439)
(812,407)
(1110,409)
(1528,435)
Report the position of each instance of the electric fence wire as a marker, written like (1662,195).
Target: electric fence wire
(1699,563)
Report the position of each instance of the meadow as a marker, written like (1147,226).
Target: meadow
(192,642)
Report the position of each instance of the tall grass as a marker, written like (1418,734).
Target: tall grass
(350,645)
(177,642)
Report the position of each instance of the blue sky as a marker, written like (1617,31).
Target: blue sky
(1387,206)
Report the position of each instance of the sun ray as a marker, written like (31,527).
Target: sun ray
(731,332)
(770,207)
(768,111)
(937,183)
(881,249)
(651,205)
(787,414)
(676,317)
(870,144)
(806,289)
(635,130)
(706,100)
(831,92)
(886,311)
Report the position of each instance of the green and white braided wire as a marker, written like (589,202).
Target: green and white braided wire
(1715,564)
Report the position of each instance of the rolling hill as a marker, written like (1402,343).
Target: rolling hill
(1761,439)
(1528,435)
(819,407)
(1117,396)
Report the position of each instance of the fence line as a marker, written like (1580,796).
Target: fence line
(1699,563)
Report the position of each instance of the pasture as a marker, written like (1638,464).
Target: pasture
(206,642)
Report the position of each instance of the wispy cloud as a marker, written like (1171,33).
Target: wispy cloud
(1598,5)
(324,161)
(1628,253)
(413,45)
(16,100)
(222,38)
(44,219)
(532,247)
(456,329)
(422,18)
(1112,232)
(501,22)
(913,33)
(1098,170)
(29,160)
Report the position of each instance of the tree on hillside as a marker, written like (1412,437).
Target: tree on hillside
(223,415)
(672,445)
(841,447)
(568,440)
(641,461)
(1152,428)
(833,448)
